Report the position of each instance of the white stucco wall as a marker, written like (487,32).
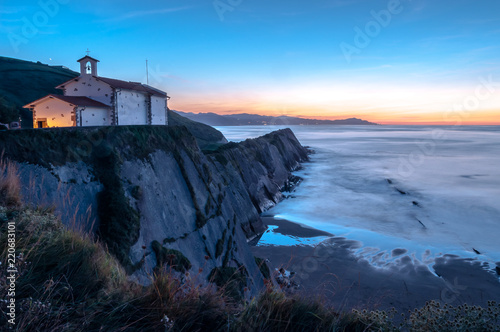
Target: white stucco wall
(94,116)
(88,86)
(57,112)
(131,108)
(158,111)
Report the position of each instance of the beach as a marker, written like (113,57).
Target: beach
(332,272)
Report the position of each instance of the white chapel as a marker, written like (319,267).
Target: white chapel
(92,100)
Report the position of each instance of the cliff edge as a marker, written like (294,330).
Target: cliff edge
(155,198)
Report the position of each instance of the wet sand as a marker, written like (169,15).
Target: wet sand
(331,271)
(286,227)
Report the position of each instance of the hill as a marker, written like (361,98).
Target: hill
(245,119)
(206,136)
(24,81)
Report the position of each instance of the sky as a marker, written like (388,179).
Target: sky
(390,62)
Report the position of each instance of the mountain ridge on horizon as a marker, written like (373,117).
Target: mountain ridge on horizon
(246,119)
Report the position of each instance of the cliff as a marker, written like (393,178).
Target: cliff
(154,197)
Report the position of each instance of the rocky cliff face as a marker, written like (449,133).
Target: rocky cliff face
(155,198)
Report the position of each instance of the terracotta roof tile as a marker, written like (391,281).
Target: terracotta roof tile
(131,86)
(79,101)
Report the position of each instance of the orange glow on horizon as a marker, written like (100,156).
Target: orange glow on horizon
(483,117)
(389,105)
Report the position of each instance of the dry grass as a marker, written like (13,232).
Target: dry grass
(68,281)
(10,187)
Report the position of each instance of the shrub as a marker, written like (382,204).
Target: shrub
(435,316)
(230,280)
(219,247)
(264,269)
(171,257)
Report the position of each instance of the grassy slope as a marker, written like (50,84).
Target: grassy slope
(23,81)
(120,225)
(207,137)
(69,282)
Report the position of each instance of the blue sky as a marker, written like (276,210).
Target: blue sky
(281,58)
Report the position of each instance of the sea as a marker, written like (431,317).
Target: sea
(430,190)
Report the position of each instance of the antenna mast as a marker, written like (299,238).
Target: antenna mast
(147,72)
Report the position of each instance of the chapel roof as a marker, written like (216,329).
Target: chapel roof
(75,100)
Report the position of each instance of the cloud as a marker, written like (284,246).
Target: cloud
(142,13)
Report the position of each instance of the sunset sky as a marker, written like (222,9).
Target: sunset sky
(391,62)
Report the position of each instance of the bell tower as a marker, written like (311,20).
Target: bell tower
(88,66)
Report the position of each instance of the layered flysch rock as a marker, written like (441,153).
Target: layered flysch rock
(155,198)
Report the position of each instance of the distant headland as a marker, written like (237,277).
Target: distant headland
(245,119)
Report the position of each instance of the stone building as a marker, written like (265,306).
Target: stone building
(92,100)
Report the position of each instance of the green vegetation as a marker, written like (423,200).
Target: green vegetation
(264,269)
(170,257)
(136,192)
(231,281)
(8,112)
(168,240)
(10,186)
(119,223)
(208,138)
(25,81)
(219,247)
(68,281)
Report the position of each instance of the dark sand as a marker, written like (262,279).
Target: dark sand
(289,228)
(332,272)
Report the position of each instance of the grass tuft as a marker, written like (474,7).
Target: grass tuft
(10,187)
(171,257)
